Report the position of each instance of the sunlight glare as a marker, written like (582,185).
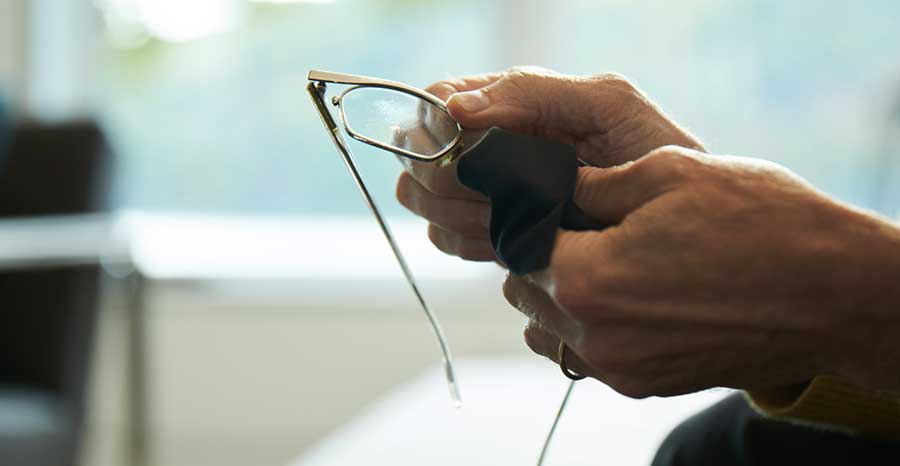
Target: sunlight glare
(180,21)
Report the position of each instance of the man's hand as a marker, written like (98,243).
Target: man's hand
(721,271)
(607,119)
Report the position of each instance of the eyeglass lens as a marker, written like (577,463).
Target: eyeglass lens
(399,120)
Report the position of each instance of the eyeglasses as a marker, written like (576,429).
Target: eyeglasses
(401,119)
(413,124)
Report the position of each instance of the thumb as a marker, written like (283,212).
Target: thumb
(533,98)
(610,194)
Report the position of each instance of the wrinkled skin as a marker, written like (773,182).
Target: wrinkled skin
(606,118)
(720,271)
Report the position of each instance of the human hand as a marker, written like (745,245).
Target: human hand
(606,118)
(720,272)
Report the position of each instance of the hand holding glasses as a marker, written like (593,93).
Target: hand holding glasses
(416,125)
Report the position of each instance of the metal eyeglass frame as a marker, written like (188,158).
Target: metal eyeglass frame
(362,82)
(316,89)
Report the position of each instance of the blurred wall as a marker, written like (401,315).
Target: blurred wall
(13,72)
(47,50)
(62,47)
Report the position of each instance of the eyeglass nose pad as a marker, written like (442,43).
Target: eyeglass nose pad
(336,100)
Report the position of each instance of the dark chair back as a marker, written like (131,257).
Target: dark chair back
(48,317)
(54,171)
(4,128)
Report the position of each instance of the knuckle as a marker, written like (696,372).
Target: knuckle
(589,187)
(665,154)
(509,289)
(584,187)
(520,73)
(520,82)
(615,80)
(527,89)
(668,161)
(513,86)
(672,155)
(534,338)
(442,89)
(438,238)
(631,105)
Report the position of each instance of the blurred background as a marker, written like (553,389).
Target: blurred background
(276,328)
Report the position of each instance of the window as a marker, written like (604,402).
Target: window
(221,122)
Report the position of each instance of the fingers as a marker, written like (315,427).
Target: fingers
(437,123)
(584,265)
(535,98)
(609,194)
(537,305)
(459,222)
(440,125)
(547,323)
(465,247)
(545,343)
(444,89)
(440,180)
(577,257)
(462,216)
(417,138)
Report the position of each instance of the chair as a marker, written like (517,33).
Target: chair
(4,129)
(48,316)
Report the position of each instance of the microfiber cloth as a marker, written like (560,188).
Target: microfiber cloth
(530,182)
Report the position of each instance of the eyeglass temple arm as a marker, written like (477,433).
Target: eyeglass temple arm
(344,78)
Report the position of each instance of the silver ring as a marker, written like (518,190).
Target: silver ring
(561,355)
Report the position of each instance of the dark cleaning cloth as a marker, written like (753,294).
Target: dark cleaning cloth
(530,182)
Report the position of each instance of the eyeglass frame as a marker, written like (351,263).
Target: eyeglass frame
(316,89)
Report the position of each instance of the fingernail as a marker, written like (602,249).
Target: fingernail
(471,101)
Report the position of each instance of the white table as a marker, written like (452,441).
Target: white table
(509,403)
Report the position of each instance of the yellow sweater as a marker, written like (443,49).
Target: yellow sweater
(832,402)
